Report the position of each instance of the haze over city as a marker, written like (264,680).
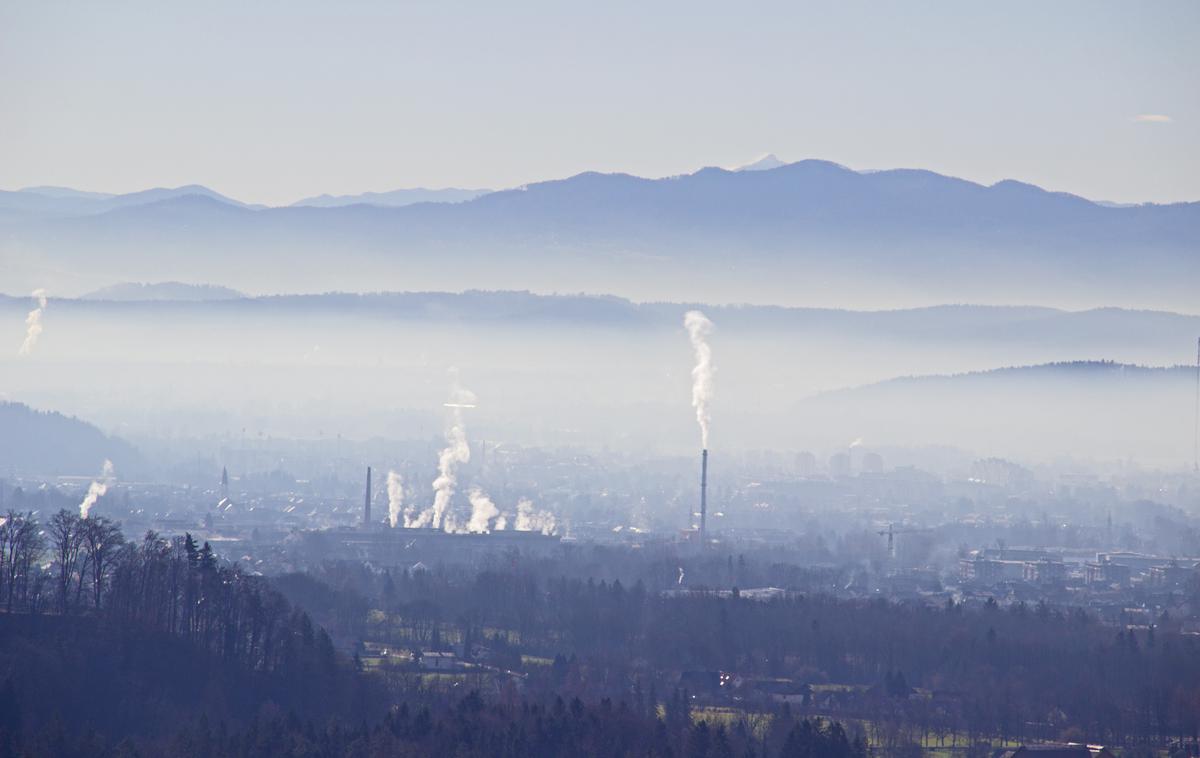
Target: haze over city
(540,379)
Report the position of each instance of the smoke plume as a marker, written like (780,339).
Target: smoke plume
(96,490)
(395,490)
(456,452)
(856,443)
(699,327)
(530,519)
(483,510)
(33,323)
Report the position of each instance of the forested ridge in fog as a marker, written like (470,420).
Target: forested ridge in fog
(948,324)
(1096,408)
(157,291)
(583,369)
(48,443)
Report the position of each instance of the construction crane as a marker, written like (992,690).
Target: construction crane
(891,533)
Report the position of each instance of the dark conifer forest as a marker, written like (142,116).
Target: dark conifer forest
(154,646)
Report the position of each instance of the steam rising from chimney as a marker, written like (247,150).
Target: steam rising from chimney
(395,490)
(96,490)
(457,451)
(529,519)
(699,327)
(483,510)
(856,443)
(485,516)
(33,324)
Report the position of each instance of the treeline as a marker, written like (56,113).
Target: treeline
(468,727)
(92,609)
(102,637)
(1017,673)
(73,565)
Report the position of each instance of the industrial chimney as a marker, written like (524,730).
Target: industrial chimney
(703,496)
(367,501)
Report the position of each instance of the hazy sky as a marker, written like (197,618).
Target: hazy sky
(273,101)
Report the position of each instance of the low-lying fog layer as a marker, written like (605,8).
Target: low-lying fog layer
(598,372)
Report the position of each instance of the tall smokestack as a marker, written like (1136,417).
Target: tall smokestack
(367,501)
(703,496)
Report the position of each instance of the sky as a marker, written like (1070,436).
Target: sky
(274,101)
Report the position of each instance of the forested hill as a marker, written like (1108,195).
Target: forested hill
(111,648)
(94,681)
(156,648)
(136,641)
(49,444)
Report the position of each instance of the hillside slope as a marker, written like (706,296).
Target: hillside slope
(47,443)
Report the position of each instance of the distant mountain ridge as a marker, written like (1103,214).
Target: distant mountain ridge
(66,192)
(805,232)
(83,201)
(64,202)
(133,291)
(765,163)
(393,199)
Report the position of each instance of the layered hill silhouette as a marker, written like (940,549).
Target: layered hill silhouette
(59,202)
(394,198)
(1100,329)
(806,232)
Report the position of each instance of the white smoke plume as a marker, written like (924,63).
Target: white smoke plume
(96,490)
(33,323)
(395,490)
(456,452)
(483,510)
(680,580)
(856,443)
(698,328)
(530,519)
(414,520)
(450,524)
(501,523)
